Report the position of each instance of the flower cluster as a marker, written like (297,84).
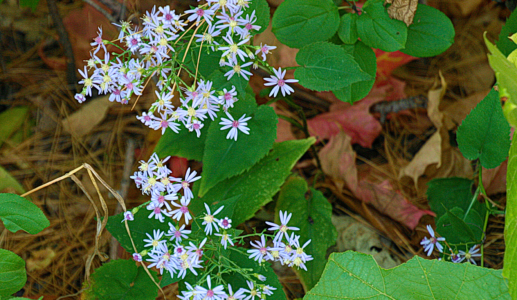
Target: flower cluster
(166,201)
(455,256)
(220,292)
(223,27)
(286,248)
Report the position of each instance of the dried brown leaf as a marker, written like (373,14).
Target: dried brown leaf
(403,10)
(88,117)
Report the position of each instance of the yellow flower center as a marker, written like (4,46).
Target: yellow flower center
(191,111)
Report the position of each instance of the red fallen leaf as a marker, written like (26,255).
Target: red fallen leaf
(389,61)
(494,180)
(54,63)
(178,165)
(391,202)
(283,128)
(82,25)
(338,161)
(355,120)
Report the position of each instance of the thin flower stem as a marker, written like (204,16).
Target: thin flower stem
(354,7)
(476,194)
(305,129)
(185,55)
(487,214)
(199,57)
(292,121)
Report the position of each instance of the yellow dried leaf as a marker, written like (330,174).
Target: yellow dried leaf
(403,10)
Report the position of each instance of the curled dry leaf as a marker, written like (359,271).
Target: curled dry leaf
(338,161)
(437,158)
(403,10)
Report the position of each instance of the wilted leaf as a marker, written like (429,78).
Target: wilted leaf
(40,259)
(338,161)
(355,120)
(403,10)
(87,117)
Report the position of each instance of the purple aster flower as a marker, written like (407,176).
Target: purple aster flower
(429,244)
(235,125)
(470,254)
(280,83)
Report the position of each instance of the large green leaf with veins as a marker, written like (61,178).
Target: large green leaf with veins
(352,275)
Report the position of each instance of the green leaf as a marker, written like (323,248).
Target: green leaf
(224,157)
(298,23)
(257,185)
(510,27)
(262,12)
(376,29)
(32,4)
(18,213)
(348,28)
(353,275)
(12,273)
(455,195)
(184,144)
(208,62)
(313,216)
(237,280)
(367,61)
(325,66)
(458,228)
(122,279)
(505,72)
(430,34)
(447,193)
(510,224)
(221,82)
(485,133)
(138,227)
(11,120)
